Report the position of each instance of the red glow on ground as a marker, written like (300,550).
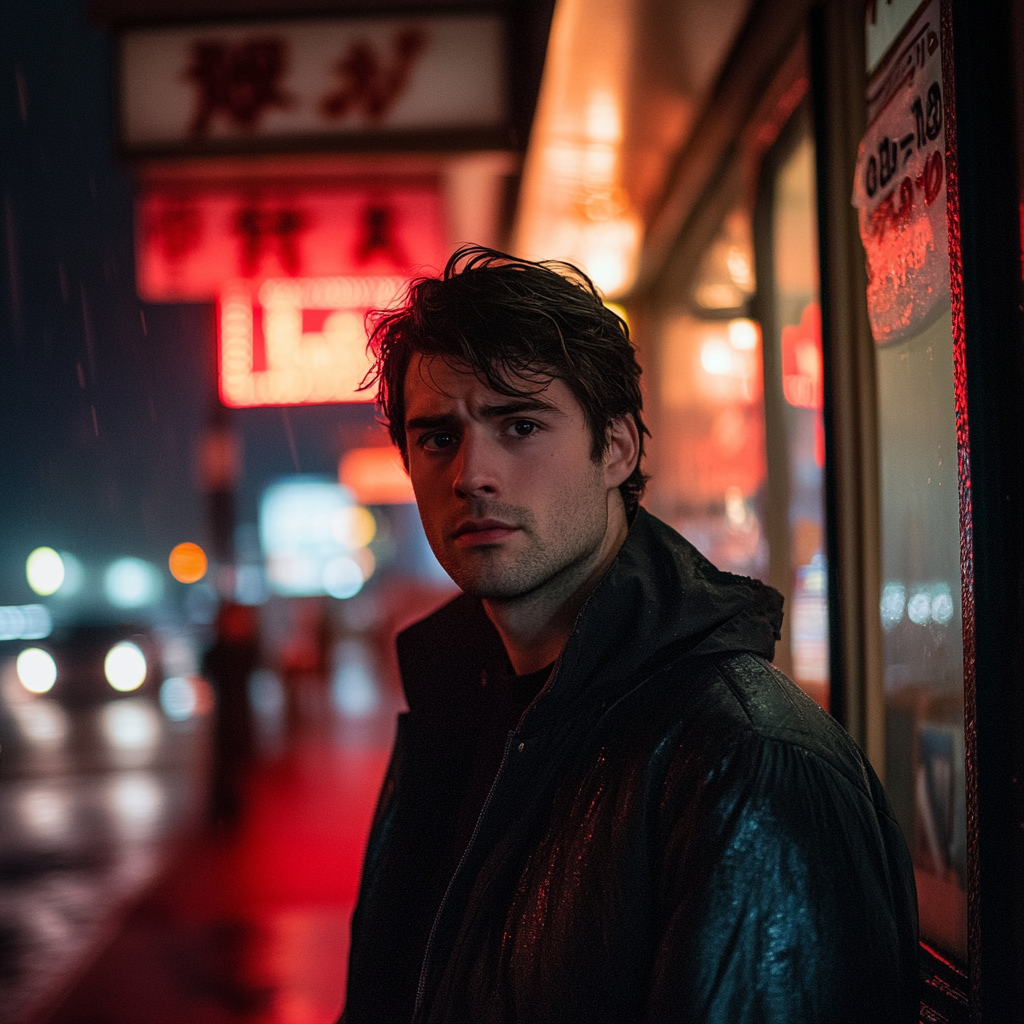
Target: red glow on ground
(252,927)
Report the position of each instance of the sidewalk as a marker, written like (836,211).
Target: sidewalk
(251,926)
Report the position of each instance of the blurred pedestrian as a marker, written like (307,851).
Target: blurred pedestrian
(227,665)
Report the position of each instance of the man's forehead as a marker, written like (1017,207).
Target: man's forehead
(433,377)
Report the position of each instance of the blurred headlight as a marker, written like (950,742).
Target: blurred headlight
(125,667)
(36,669)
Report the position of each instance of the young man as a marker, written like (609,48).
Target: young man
(603,803)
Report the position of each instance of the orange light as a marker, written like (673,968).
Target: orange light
(187,562)
(376,476)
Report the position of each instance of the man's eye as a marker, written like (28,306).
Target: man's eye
(438,442)
(523,428)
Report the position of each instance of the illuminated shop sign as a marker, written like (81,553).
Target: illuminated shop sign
(192,237)
(278,84)
(297,341)
(900,189)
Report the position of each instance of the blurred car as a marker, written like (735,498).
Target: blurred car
(89,663)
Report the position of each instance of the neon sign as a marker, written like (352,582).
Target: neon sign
(297,341)
(194,237)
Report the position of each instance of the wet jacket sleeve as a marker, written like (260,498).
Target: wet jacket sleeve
(782,898)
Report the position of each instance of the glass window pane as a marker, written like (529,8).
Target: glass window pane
(710,459)
(900,193)
(921,617)
(797,484)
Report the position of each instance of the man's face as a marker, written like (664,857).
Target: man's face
(510,498)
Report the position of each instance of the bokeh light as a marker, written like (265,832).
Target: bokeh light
(178,698)
(187,562)
(74,575)
(25,622)
(136,800)
(42,722)
(130,725)
(44,569)
(131,583)
(744,335)
(343,578)
(45,812)
(125,667)
(36,670)
(354,527)
(893,604)
(942,603)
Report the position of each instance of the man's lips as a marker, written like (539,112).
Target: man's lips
(472,532)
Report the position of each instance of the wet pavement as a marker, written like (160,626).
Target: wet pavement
(251,925)
(93,802)
(123,900)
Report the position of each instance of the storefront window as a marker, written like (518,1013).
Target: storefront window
(711,465)
(902,210)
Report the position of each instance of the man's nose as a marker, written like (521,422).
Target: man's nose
(476,469)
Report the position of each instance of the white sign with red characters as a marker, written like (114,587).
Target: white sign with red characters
(191,239)
(215,87)
(900,186)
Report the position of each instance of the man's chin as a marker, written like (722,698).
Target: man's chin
(486,590)
(489,586)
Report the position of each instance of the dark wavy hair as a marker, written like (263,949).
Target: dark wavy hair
(518,325)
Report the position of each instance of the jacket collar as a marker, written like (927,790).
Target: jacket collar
(659,599)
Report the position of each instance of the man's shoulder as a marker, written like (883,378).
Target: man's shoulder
(751,707)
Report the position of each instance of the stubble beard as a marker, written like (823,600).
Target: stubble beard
(505,574)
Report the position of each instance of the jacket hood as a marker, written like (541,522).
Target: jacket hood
(660,600)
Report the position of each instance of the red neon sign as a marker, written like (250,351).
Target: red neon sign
(297,341)
(193,239)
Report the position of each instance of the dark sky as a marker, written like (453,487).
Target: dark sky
(102,397)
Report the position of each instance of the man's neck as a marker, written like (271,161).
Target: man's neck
(535,628)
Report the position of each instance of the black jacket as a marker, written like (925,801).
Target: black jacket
(677,833)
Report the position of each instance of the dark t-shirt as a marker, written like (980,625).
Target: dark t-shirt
(507,698)
(501,704)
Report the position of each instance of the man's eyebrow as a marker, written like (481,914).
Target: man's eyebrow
(513,408)
(518,405)
(431,422)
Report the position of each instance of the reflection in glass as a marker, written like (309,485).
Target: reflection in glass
(796,430)
(922,623)
(712,475)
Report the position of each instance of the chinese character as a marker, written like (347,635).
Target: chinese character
(239,81)
(369,84)
(267,230)
(379,238)
(177,228)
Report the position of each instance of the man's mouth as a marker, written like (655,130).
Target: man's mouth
(474,532)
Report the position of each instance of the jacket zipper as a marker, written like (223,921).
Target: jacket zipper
(465,853)
(421,987)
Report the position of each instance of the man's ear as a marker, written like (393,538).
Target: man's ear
(622,450)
